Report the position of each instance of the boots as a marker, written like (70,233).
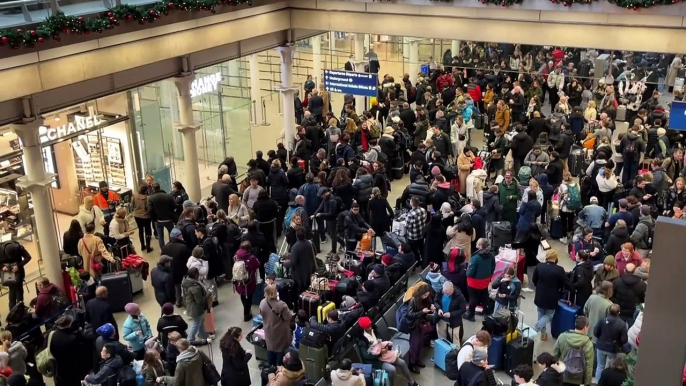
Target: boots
(147,240)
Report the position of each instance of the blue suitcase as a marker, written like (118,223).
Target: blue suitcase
(365,370)
(380,378)
(441,348)
(556,230)
(259,294)
(496,352)
(256,321)
(564,318)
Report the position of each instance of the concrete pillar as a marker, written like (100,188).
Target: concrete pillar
(187,127)
(367,42)
(359,47)
(255,92)
(406,48)
(287,94)
(38,182)
(317,59)
(234,73)
(414,59)
(455,47)
(332,50)
(360,61)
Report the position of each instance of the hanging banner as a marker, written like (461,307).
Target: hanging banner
(350,82)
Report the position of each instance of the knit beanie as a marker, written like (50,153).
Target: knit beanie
(609,260)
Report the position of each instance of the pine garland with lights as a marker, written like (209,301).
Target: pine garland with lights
(60,24)
(632,358)
(628,4)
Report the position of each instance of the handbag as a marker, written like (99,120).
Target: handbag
(318,283)
(96,265)
(366,242)
(8,278)
(209,372)
(425,327)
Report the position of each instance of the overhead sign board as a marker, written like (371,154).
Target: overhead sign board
(350,82)
(677,116)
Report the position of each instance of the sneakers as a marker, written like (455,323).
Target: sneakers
(527,289)
(564,240)
(469,317)
(247,318)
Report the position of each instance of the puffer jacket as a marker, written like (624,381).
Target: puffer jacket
(537,169)
(363,186)
(195,297)
(420,190)
(130,332)
(642,231)
(278,185)
(492,205)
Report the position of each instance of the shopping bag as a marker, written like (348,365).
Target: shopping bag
(366,242)
(507,254)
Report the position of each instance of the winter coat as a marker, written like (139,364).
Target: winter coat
(188,369)
(130,330)
(108,368)
(596,309)
(611,334)
(481,265)
(380,215)
(44,307)
(572,339)
(509,207)
(537,169)
(170,323)
(460,240)
(511,289)
(420,131)
(276,319)
(635,330)
(521,145)
(502,116)
(195,297)
(346,378)
(641,233)
(163,283)
(302,263)
(252,264)
(528,212)
(621,263)
(581,278)
(564,145)
(285,377)
(500,147)
(612,377)
(552,376)
(464,167)
(363,186)
(17,353)
(278,185)
(629,290)
(550,279)
(179,253)
(492,205)
(295,177)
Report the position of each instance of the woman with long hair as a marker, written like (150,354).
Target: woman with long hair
(141,213)
(235,359)
(418,310)
(277,321)
(238,212)
(434,236)
(70,238)
(676,193)
(380,213)
(179,195)
(615,374)
(461,236)
(342,186)
(120,229)
(152,367)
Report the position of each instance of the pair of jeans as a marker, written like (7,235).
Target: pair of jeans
(197,327)
(391,370)
(16,292)
(274,358)
(602,357)
(544,317)
(499,306)
(144,231)
(477,297)
(246,300)
(629,171)
(530,275)
(160,226)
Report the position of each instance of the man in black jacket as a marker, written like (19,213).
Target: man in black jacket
(211,252)
(333,328)
(316,105)
(612,336)
(162,281)
(536,126)
(381,281)
(13,258)
(521,145)
(442,142)
(581,278)
(478,221)
(98,310)
(555,169)
(355,227)
(407,115)
(629,290)
(328,211)
(180,254)
(255,171)
(162,211)
(221,190)
(262,164)
(550,279)
(450,315)
(420,189)
(296,174)
(316,161)
(564,146)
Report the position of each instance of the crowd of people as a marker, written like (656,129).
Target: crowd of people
(334,186)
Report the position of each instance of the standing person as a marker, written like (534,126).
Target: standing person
(570,203)
(14,258)
(355,227)
(170,322)
(16,351)
(276,318)
(246,285)
(266,214)
(416,220)
(450,305)
(179,195)
(98,311)
(479,273)
(615,374)
(189,364)
(196,300)
(528,213)
(235,359)
(120,229)
(164,209)
(597,307)
(71,238)
(629,290)
(162,281)
(551,370)
(611,335)
(578,340)
(508,289)
(550,279)
(72,352)
(89,213)
(141,213)
(581,278)
(302,262)
(107,201)
(252,192)
(380,213)
(179,252)
(238,212)
(152,367)
(434,236)
(509,194)
(136,330)
(278,190)
(418,310)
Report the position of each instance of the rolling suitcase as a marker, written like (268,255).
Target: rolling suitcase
(315,360)
(136,277)
(441,348)
(256,321)
(286,289)
(500,234)
(496,351)
(259,294)
(519,352)
(564,318)
(310,302)
(556,229)
(345,286)
(576,162)
(365,370)
(323,310)
(380,378)
(118,286)
(479,121)
(621,113)
(351,264)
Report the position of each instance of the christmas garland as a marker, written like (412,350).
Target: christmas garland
(55,26)
(628,4)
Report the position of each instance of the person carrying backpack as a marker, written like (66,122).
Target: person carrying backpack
(631,148)
(244,271)
(329,210)
(50,299)
(575,349)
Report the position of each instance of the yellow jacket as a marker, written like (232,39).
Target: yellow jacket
(503,118)
(488,96)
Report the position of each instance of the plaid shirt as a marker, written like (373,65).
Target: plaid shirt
(416,219)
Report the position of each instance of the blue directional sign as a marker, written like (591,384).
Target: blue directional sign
(677,116)
(350,82)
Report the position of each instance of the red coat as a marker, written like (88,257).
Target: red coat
(558,56)
(444,81)
(252,265)
(475,93)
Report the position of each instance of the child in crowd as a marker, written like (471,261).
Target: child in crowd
(435,277)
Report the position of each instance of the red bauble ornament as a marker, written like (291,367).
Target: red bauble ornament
(112,19)
(57,39)
(4,40)
(565,4)
(152,13)
(170,5)
(503,4)
(41,40)
(80,19)
(64,30)
(110,14)
(130,17)
(32,33)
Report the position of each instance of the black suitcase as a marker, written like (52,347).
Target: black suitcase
(556,228)
(316,241)
(346,286)
(478,121)
(353,265)
(500,233)
(119,290)
(519,352)
(576,162)
(286,288)
(309,302)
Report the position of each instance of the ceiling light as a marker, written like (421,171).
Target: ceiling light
(57,119)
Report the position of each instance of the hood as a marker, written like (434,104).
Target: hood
(647,219)
(15,347)
(489,196)
(542,180)
(162,267)
(187,283)
(343,375)
(484,253)
(433,276)
(242,254)
(445,185)
(48,289)
(366,178)
(559,367)
(576,340)
(82,209)
(620,232)
(586,265)
(274,170)
(292,375)
(629,280)
(187,355)
(631,136)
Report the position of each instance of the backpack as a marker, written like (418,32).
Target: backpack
(381,156)
(340,221)
(451,370)
(524,175)
(200,214)
(630,151)
(575,361)
(412,94)
(340,206)
(650,235)
(240,271)
(555,122)
(126,376)
(573,199)
(401,318)
(405,140)
(45,362)
(375,129)
(60,301)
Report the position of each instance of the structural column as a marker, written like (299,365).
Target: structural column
(317,59)
(38,182)
(359,66)
(287,94)
(414,59)
(455,47)
(188,127)
(255,92)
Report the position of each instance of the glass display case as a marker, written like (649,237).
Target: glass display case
(16,210)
